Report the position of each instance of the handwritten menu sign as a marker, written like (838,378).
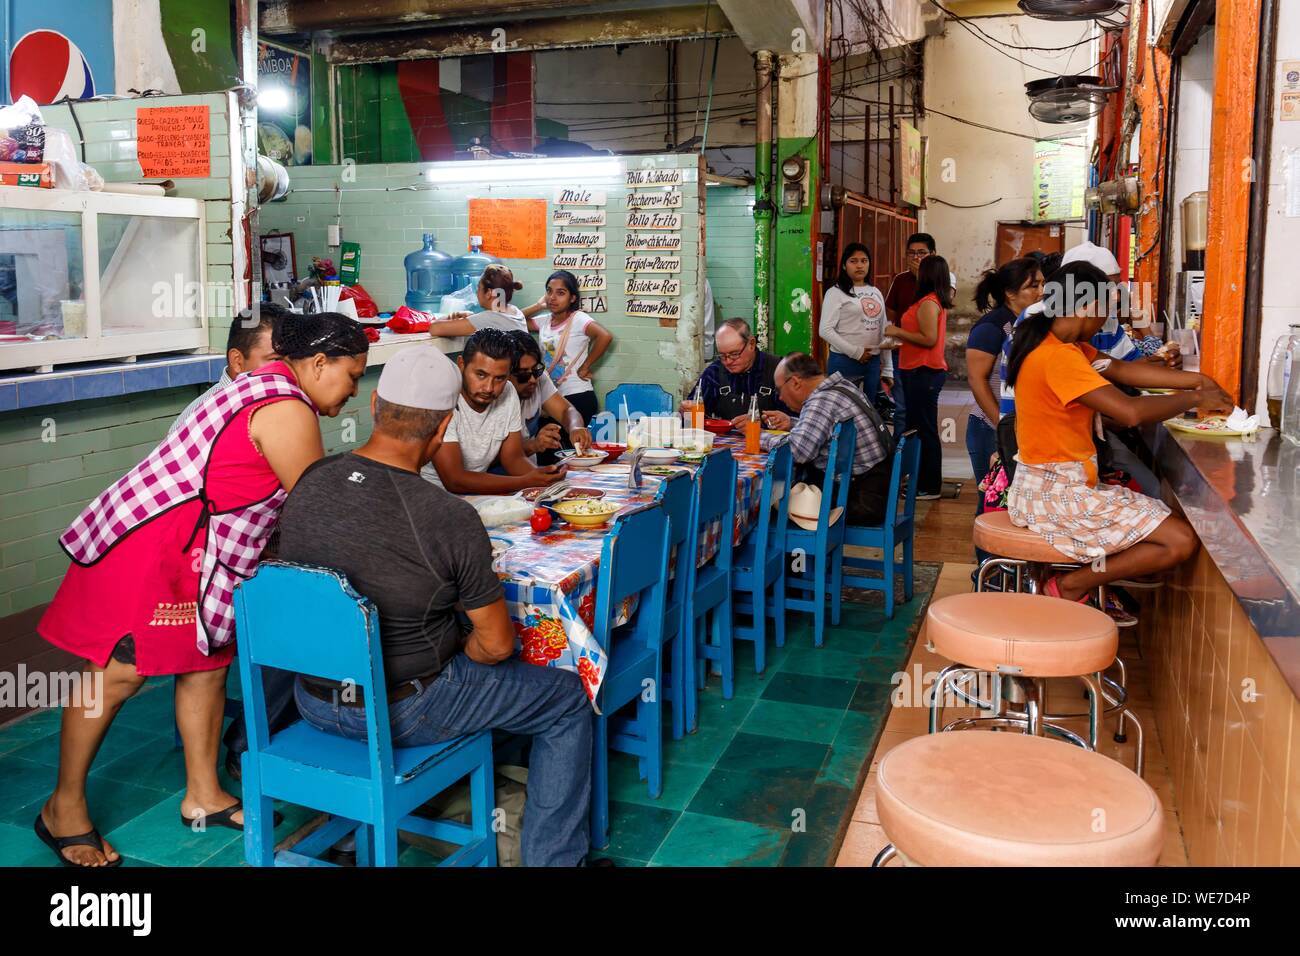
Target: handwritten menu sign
(652,264)
(653,177)
(579,260)
(173,142)
(511,228)
(579,196)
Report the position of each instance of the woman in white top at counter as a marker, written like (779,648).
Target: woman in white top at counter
(853,316)
(572,342)
(496,287)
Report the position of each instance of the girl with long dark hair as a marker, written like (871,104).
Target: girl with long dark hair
(1062,383)
(853,315)
(572,342)
(156,556)
(1002,294)
(922,368)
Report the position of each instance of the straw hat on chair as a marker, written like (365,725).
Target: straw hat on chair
(806,506)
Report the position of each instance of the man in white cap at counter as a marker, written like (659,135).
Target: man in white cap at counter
(421,554)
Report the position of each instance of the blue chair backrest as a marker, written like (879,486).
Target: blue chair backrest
(309,620)
(907,458)
(634,560)
(677,495)
(775,494)
(641,400)
(716,501)
(839,471)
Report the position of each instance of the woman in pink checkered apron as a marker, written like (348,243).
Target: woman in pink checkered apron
(156,557)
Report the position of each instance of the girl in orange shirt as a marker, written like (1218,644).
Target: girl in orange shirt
(1061,384)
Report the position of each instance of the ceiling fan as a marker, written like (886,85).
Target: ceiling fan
(1071,9)
(1066,99)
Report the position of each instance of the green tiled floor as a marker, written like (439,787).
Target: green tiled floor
(769,778)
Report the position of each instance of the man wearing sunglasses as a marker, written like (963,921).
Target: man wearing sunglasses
(741,371)
(537,396)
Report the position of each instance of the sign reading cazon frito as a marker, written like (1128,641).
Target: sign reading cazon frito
(653,177)
(654,220)
(565,239)
(669,199)
(654,308)
(579,260)
(650,241)
(652,264)
(664,285)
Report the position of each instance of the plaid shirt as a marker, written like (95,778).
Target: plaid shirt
(810,436)
(173,474)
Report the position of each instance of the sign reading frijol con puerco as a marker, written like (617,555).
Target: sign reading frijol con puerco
(652,264)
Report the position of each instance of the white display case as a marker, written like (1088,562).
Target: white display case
(86,276)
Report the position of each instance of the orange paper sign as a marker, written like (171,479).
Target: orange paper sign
(511,228)
(173,142)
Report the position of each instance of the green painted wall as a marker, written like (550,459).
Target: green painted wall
(213,67)
(730,242)
(793,265)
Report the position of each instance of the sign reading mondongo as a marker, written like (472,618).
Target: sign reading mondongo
(564,239)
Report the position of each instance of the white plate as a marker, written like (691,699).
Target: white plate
(659,456)
(580,462)
(615,469)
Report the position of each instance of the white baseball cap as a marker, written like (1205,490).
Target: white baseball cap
(420,376)
(1094,255)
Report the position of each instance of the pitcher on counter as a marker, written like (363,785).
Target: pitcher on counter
(741,372)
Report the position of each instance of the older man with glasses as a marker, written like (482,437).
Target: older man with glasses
(739,373)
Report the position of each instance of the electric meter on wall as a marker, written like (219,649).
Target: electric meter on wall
(794,190)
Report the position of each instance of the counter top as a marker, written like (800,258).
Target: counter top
(1243,500)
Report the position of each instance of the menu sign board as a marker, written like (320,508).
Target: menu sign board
(511,228)
(654,220)
(578,217)
(578,260)
(651,241)
(655,308)
(578,196)
(173,142)
(640,178)
(1060,179)
(565,239)
(652,264)
(665,285)
(671,199)
(591,281)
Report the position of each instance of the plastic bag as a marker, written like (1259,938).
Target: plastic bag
(406,320)
(497,511)
(69,172)
(366,307)
(462,300)
(22,134)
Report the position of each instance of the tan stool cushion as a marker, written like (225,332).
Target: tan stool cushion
(974,798)
(1043,636)
(995,534)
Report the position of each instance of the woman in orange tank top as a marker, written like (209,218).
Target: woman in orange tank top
(922,368)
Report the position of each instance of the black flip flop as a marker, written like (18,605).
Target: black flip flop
(58,844)
(224,818)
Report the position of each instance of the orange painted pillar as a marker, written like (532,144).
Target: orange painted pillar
(1236,55)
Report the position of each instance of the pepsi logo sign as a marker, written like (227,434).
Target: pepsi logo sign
(47,66)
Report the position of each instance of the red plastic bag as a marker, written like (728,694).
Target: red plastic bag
(366,307)
(372,334)
(407,320)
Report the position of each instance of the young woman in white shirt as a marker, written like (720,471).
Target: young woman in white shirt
(572,342)
(496,287)
(852,319)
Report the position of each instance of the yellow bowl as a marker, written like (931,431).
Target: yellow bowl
(567,511)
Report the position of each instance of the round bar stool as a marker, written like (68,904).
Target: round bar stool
(1022,639)
(1012,550)
(1013,800)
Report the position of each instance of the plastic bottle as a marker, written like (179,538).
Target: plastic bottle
(1279,372)
(428,276)
(753,429)
(1290,427)
(468,269)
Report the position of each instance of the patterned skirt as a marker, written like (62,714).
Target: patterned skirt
(1081,521)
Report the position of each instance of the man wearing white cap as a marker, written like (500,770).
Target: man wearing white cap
(421,554)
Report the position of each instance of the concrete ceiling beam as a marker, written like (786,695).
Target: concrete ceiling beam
(776,25)
(639,26)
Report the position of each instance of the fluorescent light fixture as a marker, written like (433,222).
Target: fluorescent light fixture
(273,99)
(528,170)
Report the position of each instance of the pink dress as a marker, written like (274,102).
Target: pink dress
(148,584)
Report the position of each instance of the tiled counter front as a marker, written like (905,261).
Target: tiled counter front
(1228,721)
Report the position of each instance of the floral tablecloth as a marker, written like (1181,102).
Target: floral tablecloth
(550,578)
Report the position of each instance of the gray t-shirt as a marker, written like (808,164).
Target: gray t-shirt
(409,546)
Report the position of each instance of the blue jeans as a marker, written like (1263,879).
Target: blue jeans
(922,386)
(513,696)
(981,443)
(866,375)
(900,402)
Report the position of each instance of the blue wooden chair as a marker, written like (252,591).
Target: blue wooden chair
(759,566)
(633,561)
(820,551)
(708,617)
(310,621)
(641,400)
(898,528)
(677,495)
